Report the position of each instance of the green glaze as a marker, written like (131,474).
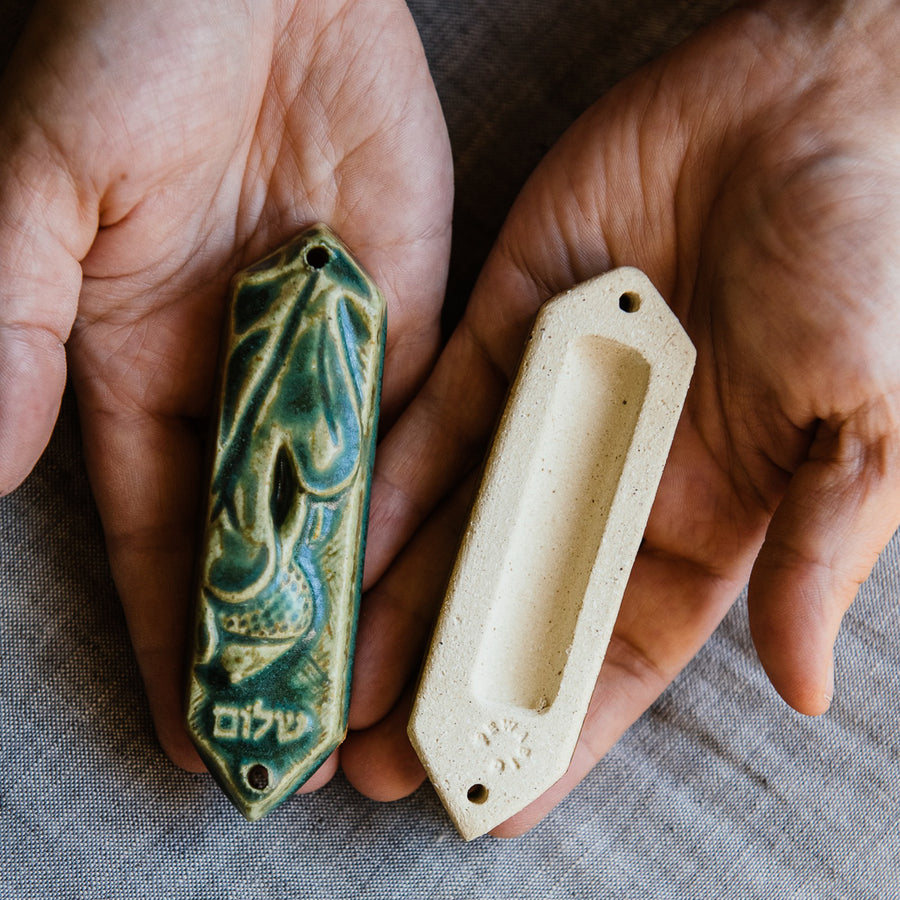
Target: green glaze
(281,557)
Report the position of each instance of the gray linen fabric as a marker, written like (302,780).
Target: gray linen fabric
(719,790)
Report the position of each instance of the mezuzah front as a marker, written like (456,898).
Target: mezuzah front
(281,557)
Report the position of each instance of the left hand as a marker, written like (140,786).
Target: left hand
(148,151)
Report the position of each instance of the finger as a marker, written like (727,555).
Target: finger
(839,512)
(44,232)
(436,441)
(670,609)
(380,761)
(145,472)
(322,775)
(398,614)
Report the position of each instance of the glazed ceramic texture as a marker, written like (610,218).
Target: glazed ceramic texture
(281,556)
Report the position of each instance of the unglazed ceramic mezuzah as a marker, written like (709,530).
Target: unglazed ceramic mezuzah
(550,544)
(282,551)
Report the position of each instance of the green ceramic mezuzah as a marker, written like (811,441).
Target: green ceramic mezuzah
(282,551)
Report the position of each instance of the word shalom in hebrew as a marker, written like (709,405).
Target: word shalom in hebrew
(253,723)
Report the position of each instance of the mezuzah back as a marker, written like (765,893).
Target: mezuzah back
(281,555)
(552,537)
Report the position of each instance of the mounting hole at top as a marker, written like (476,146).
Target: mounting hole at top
(478,793)
(317,257)
(630,302)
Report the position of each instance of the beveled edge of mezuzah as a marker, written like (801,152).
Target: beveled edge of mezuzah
(298,261)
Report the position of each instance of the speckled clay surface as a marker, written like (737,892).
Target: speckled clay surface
(550,544)
(281,557)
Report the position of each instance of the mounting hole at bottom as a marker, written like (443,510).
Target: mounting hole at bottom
(478,793)
(258,777)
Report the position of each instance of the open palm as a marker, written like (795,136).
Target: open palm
(752,174)
(147,152)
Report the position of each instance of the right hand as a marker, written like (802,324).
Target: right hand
(753,174)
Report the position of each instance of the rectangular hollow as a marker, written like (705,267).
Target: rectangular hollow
(579,446)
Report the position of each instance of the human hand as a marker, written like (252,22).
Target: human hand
(752,174)
(147,152)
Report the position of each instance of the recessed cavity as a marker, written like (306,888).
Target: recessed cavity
(258,777)
(478,793)
(317,256)
(630,302)
(579,439)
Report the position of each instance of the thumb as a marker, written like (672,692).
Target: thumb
(43,235)
(839,512)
